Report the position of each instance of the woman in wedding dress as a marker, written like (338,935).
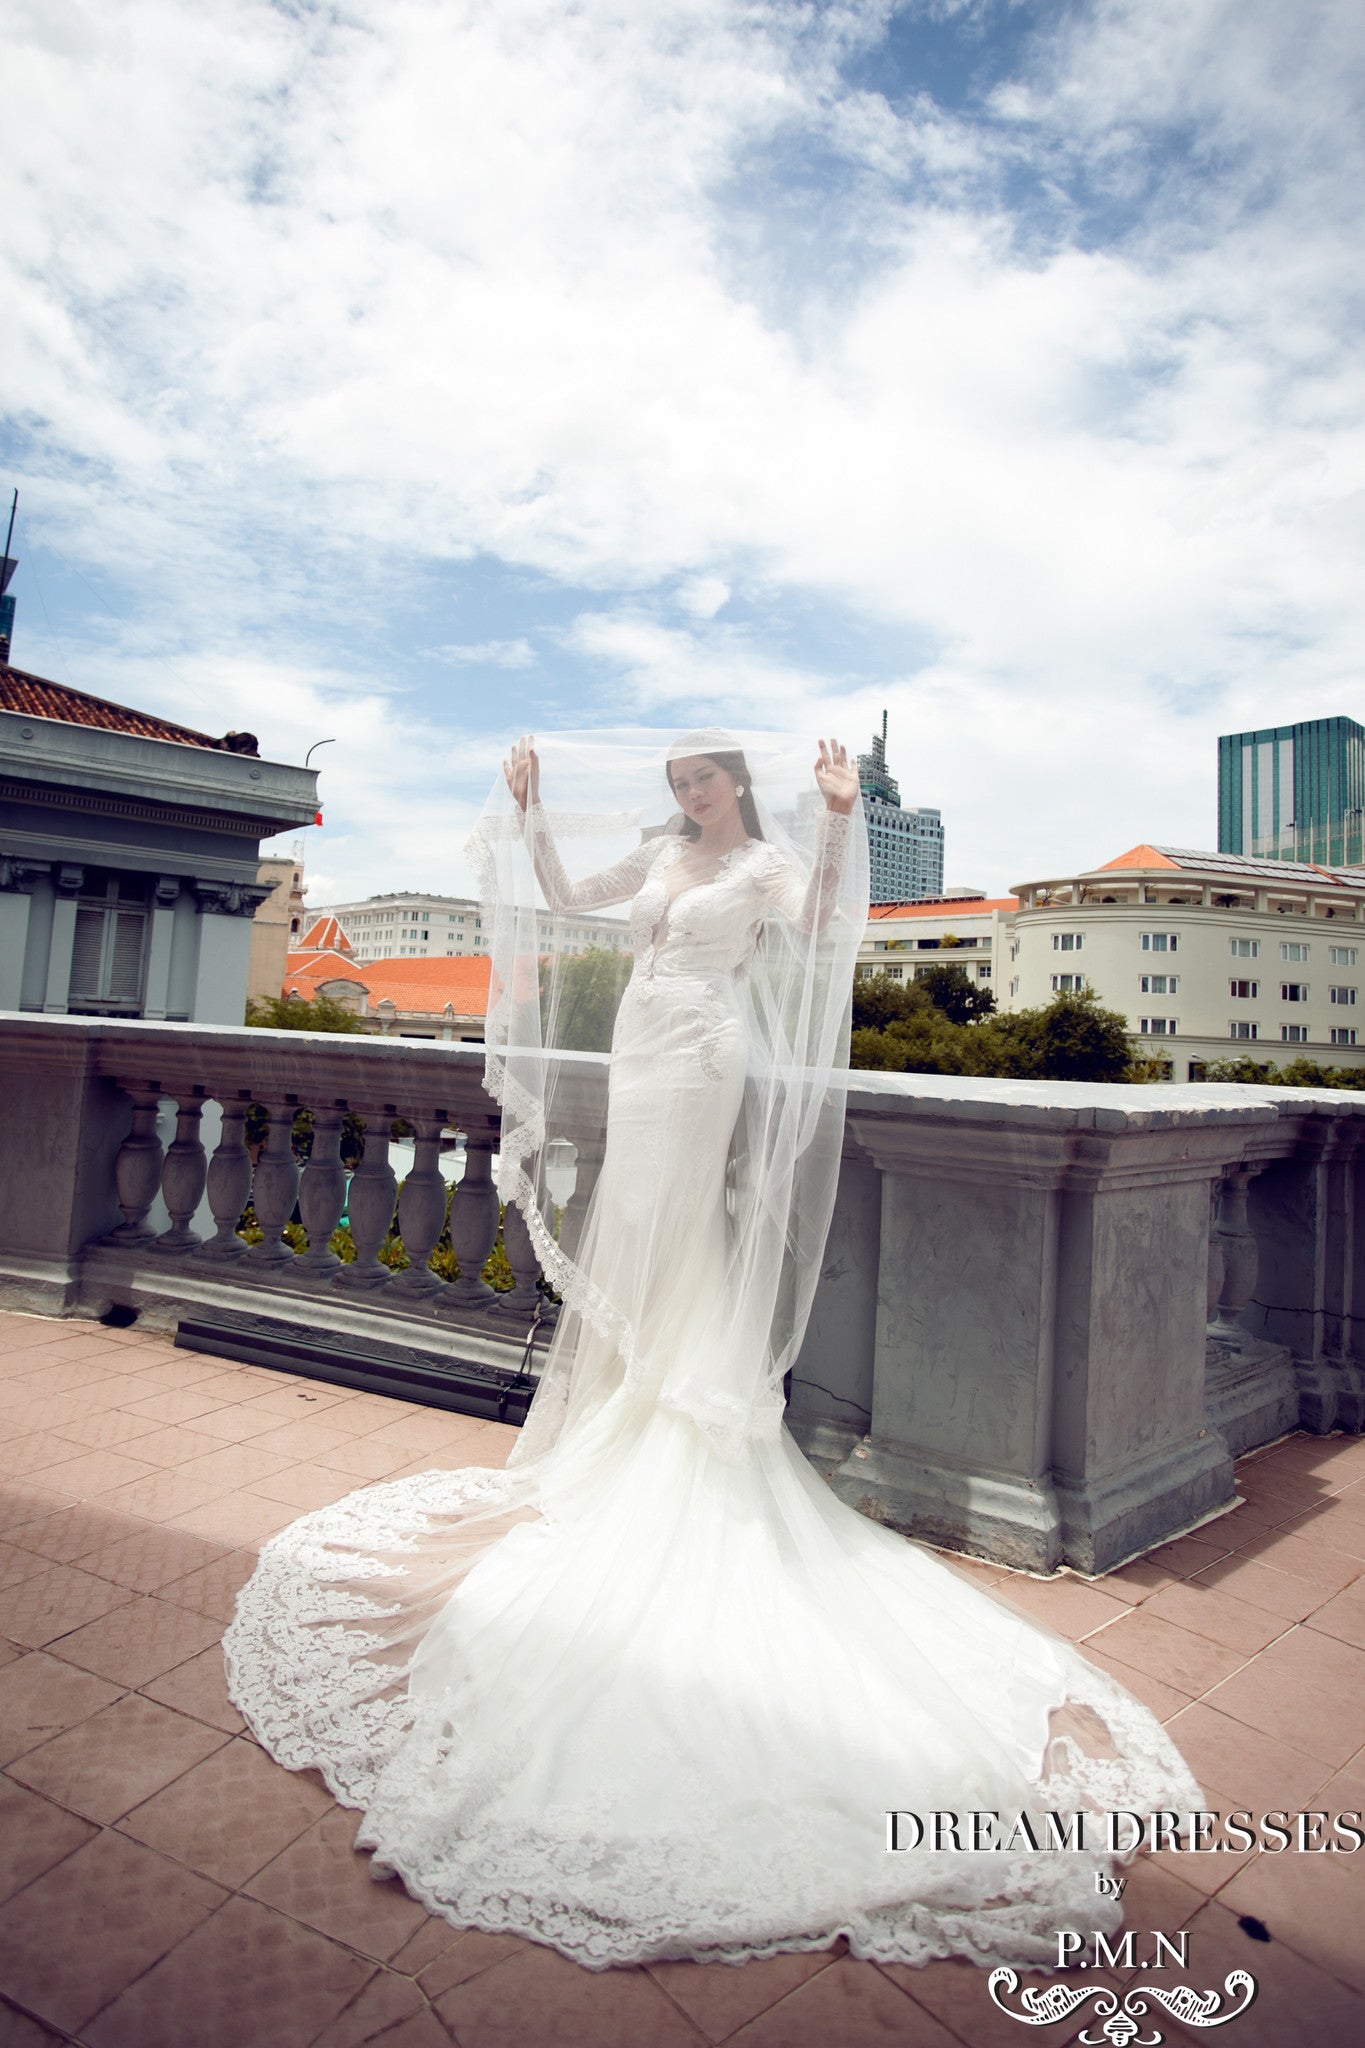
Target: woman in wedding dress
(652,1691)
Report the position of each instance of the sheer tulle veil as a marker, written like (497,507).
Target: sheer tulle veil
(555,979)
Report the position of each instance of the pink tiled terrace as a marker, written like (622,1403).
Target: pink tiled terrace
(163,1884)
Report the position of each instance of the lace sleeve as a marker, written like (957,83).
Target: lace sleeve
(808,903)
(615,884)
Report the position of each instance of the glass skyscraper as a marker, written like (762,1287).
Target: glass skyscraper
(1294,792)
(905,846)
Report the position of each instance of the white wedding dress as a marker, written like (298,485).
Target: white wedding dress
(651,1692)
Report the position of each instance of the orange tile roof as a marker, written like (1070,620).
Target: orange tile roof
(951,906)
(36,697)
(416,987)
(324,935)
(1143,856)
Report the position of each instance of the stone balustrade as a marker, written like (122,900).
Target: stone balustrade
(1049,1314)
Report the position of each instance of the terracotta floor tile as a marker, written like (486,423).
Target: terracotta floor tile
(465,1952)
(422,2030)
(1189,1554)
(34,1835)
(720,1998)
(1132,1583)
(1065,1604)
(25,1501)
(537,1999)
(168,1405)
(17,2030)
(305,1486)
(1298,2005)
(67,1375)
(239,1423)
(1260,1773)
(1171,1653)
(199,1688)
(17,1565)
(70,1533)
(1284,1705)
(112,1762)
(110,1392)
(854,2004)
(40,1697)
(245,1976)
(238,1466)
(1311,1903)
(497,1441)
(1159,1698)
(79,1934)
(23,1455)
(231,1814)
(168,1448)
(954,1993)
(1320,1658)
(388,2001)
(1344,1616)
(148,1555)
(307,1438)
(1312,1561)
(298,1399)
(1155,1896)
(92,1474)
(53,1413)
(1262,1585)
(1218,1616)
(362,1458)
(183,1369)
(10,1652)
(55,1601)
(139,1641)
(243,1520)
(1338,1526)
(428,1429)
(164,1497)
(321,1880)
(213,1589)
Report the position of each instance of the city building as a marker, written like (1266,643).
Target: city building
(278,923)
(129,855)
(445,999)
(407,925)
(1208,955)
(905,847)
(1294,792)
(970,931)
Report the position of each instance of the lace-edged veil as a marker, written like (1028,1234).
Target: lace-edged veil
(557,976)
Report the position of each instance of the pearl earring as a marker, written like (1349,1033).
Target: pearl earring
(739,789)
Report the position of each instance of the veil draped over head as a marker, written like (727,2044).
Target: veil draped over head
(558,885)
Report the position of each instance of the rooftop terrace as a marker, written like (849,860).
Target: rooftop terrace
(163,1884)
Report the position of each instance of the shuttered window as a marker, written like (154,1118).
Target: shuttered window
(108,953)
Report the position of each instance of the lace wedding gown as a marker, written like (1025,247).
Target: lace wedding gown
(651,1692)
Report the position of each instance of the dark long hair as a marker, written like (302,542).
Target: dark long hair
(734,765)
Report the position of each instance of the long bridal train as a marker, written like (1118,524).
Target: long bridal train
(651,1691)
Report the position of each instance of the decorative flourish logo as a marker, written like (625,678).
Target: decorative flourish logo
(1122,2022)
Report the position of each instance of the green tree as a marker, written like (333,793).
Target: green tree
(952,990)
(1072,1038)
(291,1013)
(578,1003)
(878,1000)
(1300,1073)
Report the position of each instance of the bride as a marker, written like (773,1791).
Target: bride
(652,1691)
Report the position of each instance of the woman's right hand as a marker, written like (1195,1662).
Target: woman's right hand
(523,772)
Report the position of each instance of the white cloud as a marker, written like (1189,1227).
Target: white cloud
(488,653)
(1069,389)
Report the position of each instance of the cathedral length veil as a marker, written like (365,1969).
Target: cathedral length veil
(650,1691)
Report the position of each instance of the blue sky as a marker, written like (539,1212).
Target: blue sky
(412,375)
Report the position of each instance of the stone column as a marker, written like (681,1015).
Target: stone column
(474,1222)
(422,1211)
(374,1189)
(276,1187)
(137,1170)
(229,1183)
(162,927)
(17,878)
(68,882)
(322,1196)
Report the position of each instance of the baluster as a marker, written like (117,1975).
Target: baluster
(374,1187)
(277,1187)
(322,1195)
(1215,1288)
(183,1178)
(137,1170)
(474,1225)
(1240,1254)
(422,1210)
(521,1257)
(229,1185)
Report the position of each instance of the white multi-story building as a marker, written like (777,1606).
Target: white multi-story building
(1208,955)
(967,930)
(407,925)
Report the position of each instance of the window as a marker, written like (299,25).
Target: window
(1343,1034)
(1068,984)
(1157,1027)
(1294,991)
(1345,996)
(983,970)
(1014,985)
(107,953)
(1245,949)
(1294,1034)
(1244,1029)
(894,972)
(1160,984)
(1342,956)
(1244,989)
(1293,949)
(1160,942)
(1067,942)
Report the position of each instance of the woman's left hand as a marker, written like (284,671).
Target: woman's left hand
(837,781)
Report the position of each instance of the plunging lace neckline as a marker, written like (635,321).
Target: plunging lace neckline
(660,932)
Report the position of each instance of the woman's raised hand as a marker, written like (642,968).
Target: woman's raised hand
(522,770)
(836,780)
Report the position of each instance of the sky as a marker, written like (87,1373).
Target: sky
(410,375)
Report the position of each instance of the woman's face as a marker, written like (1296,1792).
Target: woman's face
(705,792)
